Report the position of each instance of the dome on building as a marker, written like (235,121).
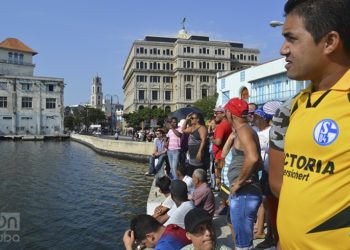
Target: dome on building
(183,34)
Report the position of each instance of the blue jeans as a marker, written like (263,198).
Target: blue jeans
(243,211)
(153,169)
(174,157)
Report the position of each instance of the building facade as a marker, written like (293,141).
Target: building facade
(28,104)
(259,84)
(172,73)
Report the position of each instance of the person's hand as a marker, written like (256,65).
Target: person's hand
(188,117)
(199,156)
(128,239)
(234,187)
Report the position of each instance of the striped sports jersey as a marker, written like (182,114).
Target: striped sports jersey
(314,205)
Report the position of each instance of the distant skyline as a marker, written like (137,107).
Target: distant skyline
(79,39)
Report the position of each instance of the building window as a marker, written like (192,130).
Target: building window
(223,83)
(50,103)
(27,87)
(141,95)
(10,58)
(225,96)
(204,93)
(21,58)
(27,102)
(155,78)
(204,78)
(3,102)
(188,78)
(50,87)
(7,118)
(167,95)
(141,78)
(167,79)
(154,95)
(242,76)
(188,93)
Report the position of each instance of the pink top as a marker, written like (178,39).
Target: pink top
(203,197)
(174,141)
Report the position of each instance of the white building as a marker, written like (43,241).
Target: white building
(28,104)
(175,72)
(96,93)
(259,84)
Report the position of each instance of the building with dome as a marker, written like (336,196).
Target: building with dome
(175,72)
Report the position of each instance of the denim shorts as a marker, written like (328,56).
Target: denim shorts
(243,211)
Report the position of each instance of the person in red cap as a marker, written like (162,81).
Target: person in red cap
(245,191)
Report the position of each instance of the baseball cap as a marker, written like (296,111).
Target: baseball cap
(219,109)
(260,112)
(195,217)
(178,189)
(237,107)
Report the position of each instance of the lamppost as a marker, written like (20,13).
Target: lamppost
(276,23)
(111,106)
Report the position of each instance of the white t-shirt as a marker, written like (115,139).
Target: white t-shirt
(168,202)
(190,186)
(177,214)
(264,146)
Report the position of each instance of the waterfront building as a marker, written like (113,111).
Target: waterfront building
(259,84)
(175,72)
(28,104)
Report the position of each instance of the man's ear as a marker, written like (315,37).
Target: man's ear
(331,42)
(189,236)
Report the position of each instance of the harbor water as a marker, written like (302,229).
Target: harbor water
(65,196)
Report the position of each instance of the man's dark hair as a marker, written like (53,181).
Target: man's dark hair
(174,118)
(182,169)
(323,16)
(163,183)
(143,224)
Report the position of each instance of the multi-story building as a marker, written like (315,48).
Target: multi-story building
(172,73)
(259,84)
(28,104)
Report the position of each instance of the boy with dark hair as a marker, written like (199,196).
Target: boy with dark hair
(146,231)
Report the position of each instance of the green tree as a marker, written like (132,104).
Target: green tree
(207,105)
(135,118)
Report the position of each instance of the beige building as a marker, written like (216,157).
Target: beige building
(172,73)
(28,104)
(96,97)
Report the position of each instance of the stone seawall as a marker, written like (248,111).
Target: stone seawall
(128,150)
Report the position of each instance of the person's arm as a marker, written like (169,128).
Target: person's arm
(203,133)
(251,157)
(228,145)
(177,133)
(185,128)
(276,166)
(163,218)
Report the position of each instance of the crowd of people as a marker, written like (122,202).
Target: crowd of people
(279,168)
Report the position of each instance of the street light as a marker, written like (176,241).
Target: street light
(276,23)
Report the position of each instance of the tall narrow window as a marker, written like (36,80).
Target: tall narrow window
(188,93)
(154,95)
(3,102)
(141,95)
(167,95)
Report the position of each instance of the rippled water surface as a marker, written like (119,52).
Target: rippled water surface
(68,196)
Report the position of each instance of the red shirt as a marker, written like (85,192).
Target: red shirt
(223,131)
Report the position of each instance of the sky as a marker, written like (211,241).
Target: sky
(79,39)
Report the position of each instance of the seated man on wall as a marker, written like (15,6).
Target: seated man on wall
(176,215)
(202,195)
(163,184)
(158,153)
